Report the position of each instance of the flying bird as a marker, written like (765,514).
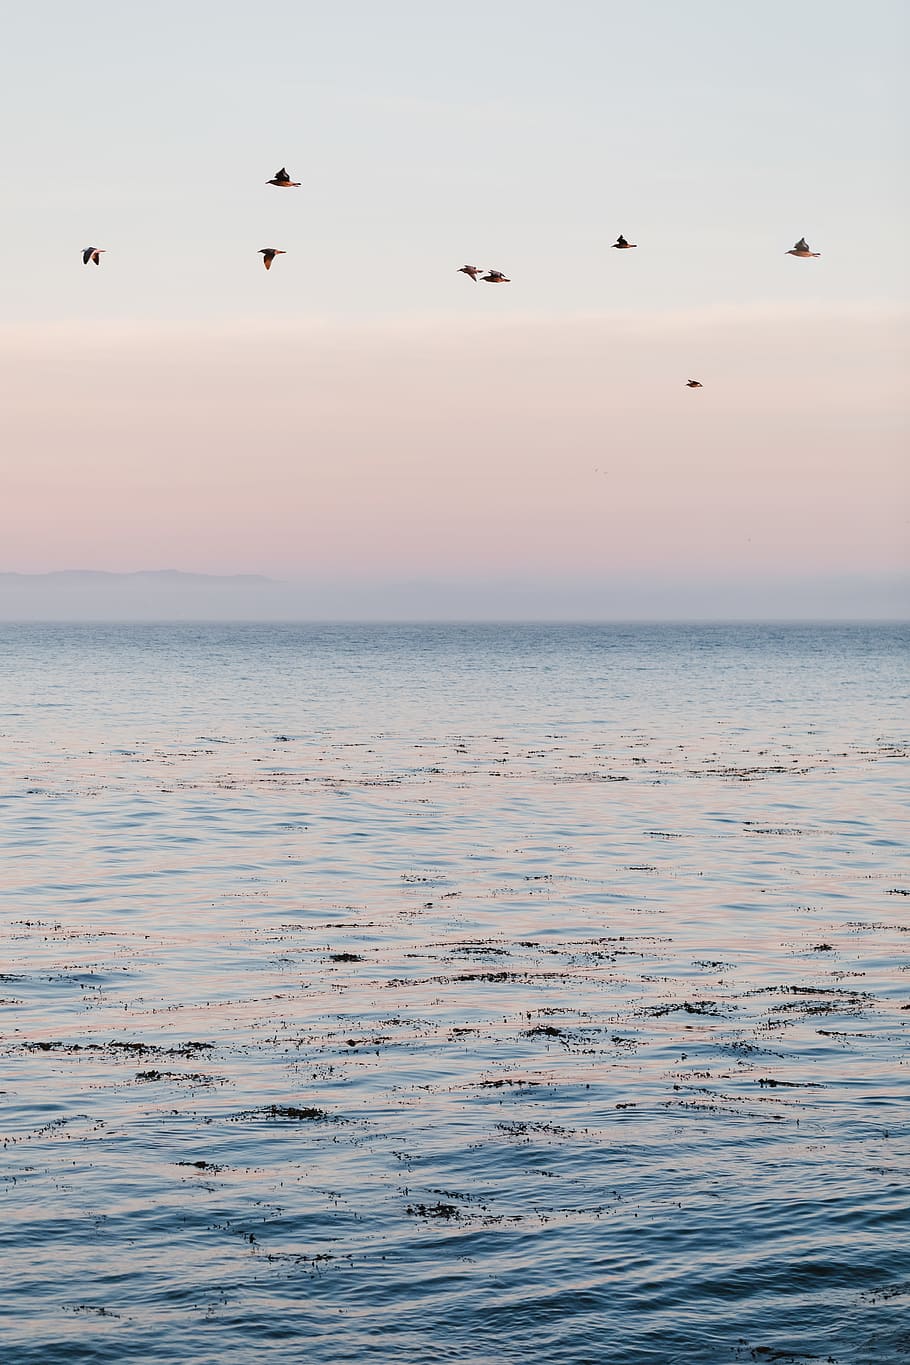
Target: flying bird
(622,245)
(92,253)
(694,384)
(283,181)
(802,249)
(496,277)
(472,270)
(268,254)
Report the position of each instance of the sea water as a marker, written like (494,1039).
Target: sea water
(453,994)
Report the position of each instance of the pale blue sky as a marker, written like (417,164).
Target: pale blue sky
(524,135)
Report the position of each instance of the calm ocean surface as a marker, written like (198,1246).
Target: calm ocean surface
(454,994)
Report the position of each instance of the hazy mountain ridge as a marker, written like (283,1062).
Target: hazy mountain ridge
(107,578)
(145,595)
(173,595)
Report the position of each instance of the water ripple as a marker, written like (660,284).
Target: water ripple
(470,994)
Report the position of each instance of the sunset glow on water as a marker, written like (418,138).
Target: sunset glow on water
(471,993)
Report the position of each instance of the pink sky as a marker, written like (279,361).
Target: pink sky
(534,446)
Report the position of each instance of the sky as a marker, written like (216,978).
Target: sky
(363,414)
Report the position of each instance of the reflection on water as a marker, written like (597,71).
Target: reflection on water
(453,993)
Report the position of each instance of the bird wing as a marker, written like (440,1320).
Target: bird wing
(87,255)
(282,174)
(801,245)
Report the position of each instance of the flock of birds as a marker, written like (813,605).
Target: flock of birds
(282,181)
(801,249)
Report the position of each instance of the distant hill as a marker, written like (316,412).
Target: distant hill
(170,595)
(160,594)
(65,578)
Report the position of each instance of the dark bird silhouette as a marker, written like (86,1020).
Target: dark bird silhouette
(472,270)
(283,181)
(622,245)
(496,277)
(92,253)
(802,250)
(694,384)
(268,254)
